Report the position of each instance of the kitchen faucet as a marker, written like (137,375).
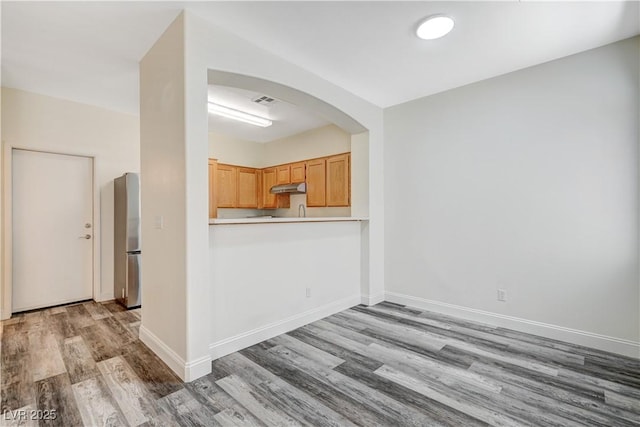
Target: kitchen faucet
(304,210)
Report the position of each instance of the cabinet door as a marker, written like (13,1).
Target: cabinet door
(338,180)
(213,204)
(227,186)
(298,172)
(247,188)
(260,192)
(268,181)
(316,182)
(284,175)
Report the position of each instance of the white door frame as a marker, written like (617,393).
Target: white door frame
(7,225)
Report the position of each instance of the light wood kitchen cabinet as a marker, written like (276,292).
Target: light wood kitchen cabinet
(283,175)
(338,181)
(213,203)
(260,192)
(268,181)
(316,182)
(227,186)
(247,188)
(298,172)
(272,201)
(328,182)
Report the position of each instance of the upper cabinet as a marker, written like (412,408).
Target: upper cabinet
(316,185)
(268,181)
(338,180)
(235,187)
(283,174)
(298,172)
(213,203)
(328,182)
(227,186)
(247,188)
(272,201)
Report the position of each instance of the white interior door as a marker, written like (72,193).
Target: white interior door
(52,203)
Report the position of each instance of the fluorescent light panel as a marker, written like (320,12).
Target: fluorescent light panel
(241,116)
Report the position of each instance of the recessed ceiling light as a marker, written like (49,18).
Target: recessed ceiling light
(242,116)
(434,27)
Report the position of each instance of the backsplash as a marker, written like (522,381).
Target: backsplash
(297,199)
(230,213)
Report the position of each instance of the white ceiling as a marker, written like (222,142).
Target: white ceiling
(89,51)
(287,119)
(370,48)
(84,52)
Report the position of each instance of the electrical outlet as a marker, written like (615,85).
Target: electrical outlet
(502,295)
(158,222)
(308,292)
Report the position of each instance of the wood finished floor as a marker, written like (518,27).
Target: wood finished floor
(385,365)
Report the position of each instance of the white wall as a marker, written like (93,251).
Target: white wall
(320,142)
(43,123)
(163,150)
(360,175)
(234,151)
(180,284)
(266,270)
(526,182)
(174,148)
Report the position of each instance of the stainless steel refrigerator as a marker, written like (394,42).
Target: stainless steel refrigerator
(127,232)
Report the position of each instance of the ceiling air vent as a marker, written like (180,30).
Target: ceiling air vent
(264,100)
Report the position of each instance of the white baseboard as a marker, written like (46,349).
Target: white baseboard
(372,300)
(587,339)
(249,338)
(187,371)
(197,368)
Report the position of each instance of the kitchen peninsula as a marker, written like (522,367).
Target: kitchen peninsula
(278,274)
(278,270)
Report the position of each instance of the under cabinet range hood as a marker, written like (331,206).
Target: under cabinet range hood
(298,188)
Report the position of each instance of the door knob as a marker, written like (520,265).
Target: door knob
(86,236)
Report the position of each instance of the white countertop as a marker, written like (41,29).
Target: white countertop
(262,220)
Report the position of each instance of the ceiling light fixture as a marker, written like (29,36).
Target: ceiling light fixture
(241,116)
(434,27)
